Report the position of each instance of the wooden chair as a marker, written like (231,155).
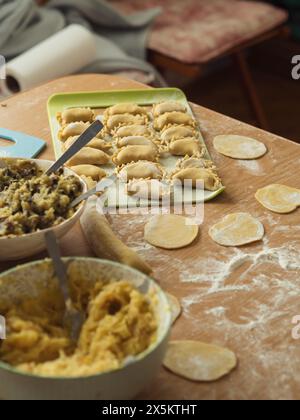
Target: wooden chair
(269,22)
(174,28)
(238,56)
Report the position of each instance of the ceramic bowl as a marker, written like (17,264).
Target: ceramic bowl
(124,383)
(23,246)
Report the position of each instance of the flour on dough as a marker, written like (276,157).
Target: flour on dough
(175,306)
(170,231)
(239,147)
(279,198)
(199,361)
(237,229)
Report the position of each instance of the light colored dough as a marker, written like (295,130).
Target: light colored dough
(211,181)
(199,361)
(170,231)
(169,106)
(140,170)
(95,143)
(237,229)
(89,171)
(148,189)
(130,154)
(175,306)
(133,130)
(89,156)
(189,146)
(176,132)
(279,198)
(134,141)
(239,147)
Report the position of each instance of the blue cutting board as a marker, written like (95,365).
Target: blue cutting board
(23,145)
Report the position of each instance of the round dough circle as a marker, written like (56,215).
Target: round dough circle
(239,147)
(199,361)
(279,198)
(175,307)
(170,231)
(237,229)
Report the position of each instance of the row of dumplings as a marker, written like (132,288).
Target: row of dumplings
(88,161)
(139,138)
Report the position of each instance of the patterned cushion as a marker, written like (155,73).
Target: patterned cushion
(196,31)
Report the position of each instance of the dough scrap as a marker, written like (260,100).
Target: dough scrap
(279,198)
(199,361)
(210,179)
(135,153)
(173,118)
(140,170)
(87,156)
(170,231)
(75,114)
(175,306)
(237,229)
(168,106)
(133,130)
(176,132)
(188,146)
(239,147)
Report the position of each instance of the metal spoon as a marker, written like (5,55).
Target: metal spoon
(100,187)
(73,318)
(82,141)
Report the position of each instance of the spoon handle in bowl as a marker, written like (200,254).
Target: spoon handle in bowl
(59,266)
(82,140)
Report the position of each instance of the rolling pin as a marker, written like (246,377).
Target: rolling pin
(105,243)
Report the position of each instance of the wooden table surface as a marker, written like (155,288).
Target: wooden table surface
(245,298)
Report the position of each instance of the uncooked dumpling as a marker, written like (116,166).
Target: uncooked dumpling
(148,189)
(237,229)
(133,130)
(116,121)
(176,132)
(170,231)
(279,198)
(72,129)
(175,307)
(89,156)
(134,154)
(239,147)
(195,162)
(125,108)
(95,143)
(209,178)
(168,106)
(75,114)
(140,170)
(199,361)
(89,171)
(134,141)
(173,118)
(188,146)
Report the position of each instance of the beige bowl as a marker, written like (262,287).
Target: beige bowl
(124,383)
(23,246)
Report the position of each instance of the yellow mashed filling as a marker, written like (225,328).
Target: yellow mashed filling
(120,322)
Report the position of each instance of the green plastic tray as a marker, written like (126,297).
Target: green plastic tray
(104,99)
